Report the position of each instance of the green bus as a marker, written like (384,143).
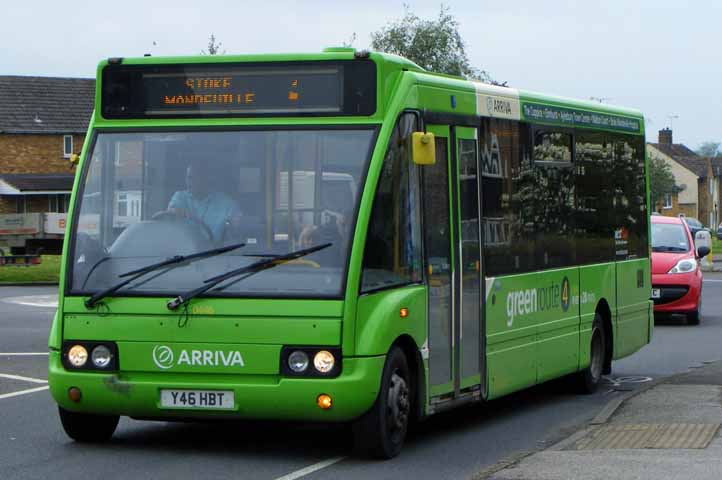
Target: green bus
(341,237)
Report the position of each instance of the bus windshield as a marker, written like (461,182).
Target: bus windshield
(149,196)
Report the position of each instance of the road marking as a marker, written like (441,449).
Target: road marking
(23,354)
(24,379)
(311,468)
(43,301)
(710,280)
(22,392)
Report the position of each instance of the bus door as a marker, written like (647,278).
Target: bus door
(452,259)
(469,265)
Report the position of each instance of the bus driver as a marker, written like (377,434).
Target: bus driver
(199,203)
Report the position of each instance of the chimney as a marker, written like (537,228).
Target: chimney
(665,136)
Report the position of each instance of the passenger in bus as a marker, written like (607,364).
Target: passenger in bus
(334,227)
(214,210)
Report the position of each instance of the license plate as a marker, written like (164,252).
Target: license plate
(202,399)
(656,293)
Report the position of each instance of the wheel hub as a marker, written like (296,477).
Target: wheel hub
(398,403)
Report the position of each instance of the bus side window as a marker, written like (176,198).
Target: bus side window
(392,255)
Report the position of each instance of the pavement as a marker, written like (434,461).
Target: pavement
(669,430)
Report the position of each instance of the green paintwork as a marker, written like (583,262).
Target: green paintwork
(257,396)
(379,323)
(520,352)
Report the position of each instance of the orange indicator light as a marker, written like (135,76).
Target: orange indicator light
(74,394)
(324,401)
(404,312)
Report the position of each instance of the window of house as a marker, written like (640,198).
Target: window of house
(667,200)
(67,146)
(58,203)
(122,205)
(20,206)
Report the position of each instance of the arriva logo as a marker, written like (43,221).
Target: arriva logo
(163,357)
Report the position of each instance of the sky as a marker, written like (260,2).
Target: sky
(661,57)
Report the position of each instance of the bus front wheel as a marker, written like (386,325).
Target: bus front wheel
(588,380)
(84,427)
(381,431)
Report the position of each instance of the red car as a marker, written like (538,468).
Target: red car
(676,274)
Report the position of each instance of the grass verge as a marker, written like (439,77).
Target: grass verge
(47,271)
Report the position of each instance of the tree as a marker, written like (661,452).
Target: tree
(213,47)
(435,45)
(661,180)
(710,149)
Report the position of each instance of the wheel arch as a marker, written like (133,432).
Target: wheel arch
(416,366)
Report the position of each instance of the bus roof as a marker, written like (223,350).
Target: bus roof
(532,106)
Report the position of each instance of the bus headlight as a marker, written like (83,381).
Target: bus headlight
(324,361)
(77,355)
(298,361)
(317,361)
(89,355)
(101,356)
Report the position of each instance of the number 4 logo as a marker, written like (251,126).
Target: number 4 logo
(565,294)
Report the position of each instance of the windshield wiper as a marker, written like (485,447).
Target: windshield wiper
(135,274)
(251,269)
(668,249)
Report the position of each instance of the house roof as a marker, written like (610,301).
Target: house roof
(18,184)
(684,156)
(696,165)
(674,150)
(45,105)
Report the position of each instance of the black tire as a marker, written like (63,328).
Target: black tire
(693,318)
(84,427)
(380,432)
(587,381)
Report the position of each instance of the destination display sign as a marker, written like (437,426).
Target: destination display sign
(255,90)
(583,118)
(325,88)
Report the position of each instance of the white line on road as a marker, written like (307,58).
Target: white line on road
(311,468)
(23,392)
(23,354)
(710,280)
(24,379)
(43,301)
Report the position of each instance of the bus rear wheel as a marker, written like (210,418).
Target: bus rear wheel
(84,427)
(381,431)
(588,380)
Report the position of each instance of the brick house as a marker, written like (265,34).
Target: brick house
(43,121)
(698,177)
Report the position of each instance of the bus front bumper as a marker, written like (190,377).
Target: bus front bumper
(137,394)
